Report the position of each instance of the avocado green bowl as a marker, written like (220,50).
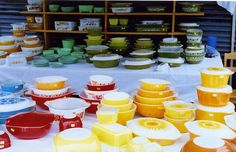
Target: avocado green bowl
(96,49)
(106,60)
(169,54)
(88,57)
(137,63)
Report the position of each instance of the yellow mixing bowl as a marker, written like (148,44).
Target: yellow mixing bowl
(215,77)
(107,115)
(125,116)
(116,98)
(121,108)
(153,101)
(50,83)
(179,109)
(155,94)
(147,110)
(154,84)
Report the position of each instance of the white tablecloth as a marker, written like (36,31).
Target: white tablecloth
(184,79)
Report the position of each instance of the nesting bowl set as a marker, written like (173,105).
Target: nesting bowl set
(94,36)
(119,45)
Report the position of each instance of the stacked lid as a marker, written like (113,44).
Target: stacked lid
(32,44)
(119,45)
(94,36)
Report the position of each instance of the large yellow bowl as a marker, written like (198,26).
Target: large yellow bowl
(153,101)
(107,116)
(76,138)
(179,123)
(116,98)
(214,77)
(179,109)
(125,116)
(154,84)
(155,94)
(121,108)
(214,113)
(147,110)
(50,83)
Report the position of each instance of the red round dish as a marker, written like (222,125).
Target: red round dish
(5,141)
(93,103)
(40,100)
(101,87)
(30,125)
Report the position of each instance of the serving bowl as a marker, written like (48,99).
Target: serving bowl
(186,26)
(74,138)
(86,8)
(50,92)
(101,87)
(12,85)
(93,102)
(173,62)
(7,40)
(5,141)
(169,54)
(179,109)
(154,84)
(202,144)
(113,21)
(64,51)
(121,107)
(68,59)
(214,113)
(30,125)
(98,9)
(54,8)
(155,94)
(214,97)
(67,9)
(97,94)
(153,101)
(50,82)
(100,80)
(107,115)
(148,110)
(7,47)
(156,8)
(116,98)
(97,49)
(67,106)
(106,60)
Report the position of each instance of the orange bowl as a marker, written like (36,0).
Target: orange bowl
(32,46)
(18,33)
(155,94)
(147,110)
(13,50)
(207,144)
(153,101)
(214,97)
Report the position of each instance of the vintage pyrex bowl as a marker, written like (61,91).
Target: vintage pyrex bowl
(93,102)
(202,144)
(76,139)
(51,57)
(154,84)
(173,62)
(68,59)
(50,82)
(191,7)
(101,87)
(157,8)
(230,121)
(107,115)
(65,106)
(100,80)
(214,97)
(12,85)
(210,128)
(67,9)
(120,107)
(86,8)
(148,110)
(179,109)
(54,8)
(215,77)
(169,54)
(138,63)
(153,101)
(30,125)
(94,38)
(98,9)
(7,40)
(116,98)
(154,129)
(113,21)
(179,122)
(64,51)
(194,32)
(97,94)
(124,116)
(106,60)
(155,94)
(68,43)
(214,113)
(112,134)
(48,52)
(142,53)
(97,49)
(5,141)
(95,31)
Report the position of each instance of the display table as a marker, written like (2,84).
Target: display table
(183,79)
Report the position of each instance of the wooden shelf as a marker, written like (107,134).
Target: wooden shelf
(73,13)
(31,13)
(138,33)
(179,33)
(75,32)
(40,31)
(190,14)
(140,14)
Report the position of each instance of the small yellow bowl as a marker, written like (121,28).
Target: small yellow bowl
(121,108)
(179,109)
(125,116)
(155,94)
(153,101)
(116,98)
(147,110)
(50,83)
(179,123)
(154,84)
(107,115)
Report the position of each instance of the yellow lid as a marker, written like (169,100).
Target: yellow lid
(217,71)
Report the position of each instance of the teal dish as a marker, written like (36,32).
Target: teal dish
(54,8)
(68,43)
(51,57)
(156,8)
(67,9)
(78,55)
(48,52)
(64,51)
(54,48)
(68,60)
(40,63)
(86,8)
(56,65)
(98,9)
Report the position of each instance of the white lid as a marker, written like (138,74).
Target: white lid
(116,96)
(50,79)
(97,47)
(21,54)
(142,52)
(106,57)
(14,104)
(75,134)
(217,71)
(170,60)
(170,40)
(230,121)
(144,39)
(188,24)
(138,61)
(210,128)
(155,81)
(227,89)
(229,108)
(194,30)
(203,141)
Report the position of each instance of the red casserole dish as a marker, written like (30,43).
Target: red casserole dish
(93,103)
(30,125)
(5,141)
(40,99)
(101,87)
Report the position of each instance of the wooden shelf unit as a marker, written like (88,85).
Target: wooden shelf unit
(47,30)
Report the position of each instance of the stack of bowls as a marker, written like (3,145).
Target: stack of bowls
(94,37)
(151,96)
(194,55)
(18,30)
(49,88)
(214,95)
(95,89)
(8,45)
(33,45)
(95,50)
(170,52)
(122,102)
(178,113)
(144,43)
(119,45)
